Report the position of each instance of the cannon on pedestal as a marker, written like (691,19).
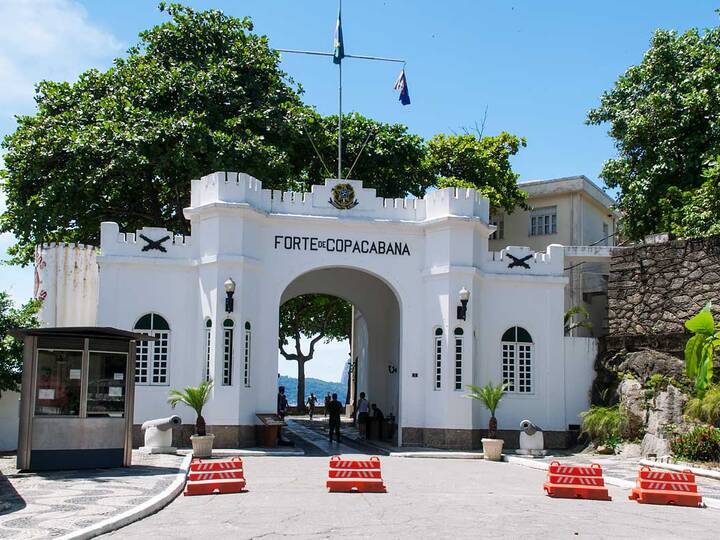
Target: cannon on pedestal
(532,441)
(158,435)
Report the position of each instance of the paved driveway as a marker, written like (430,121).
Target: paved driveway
(427,498)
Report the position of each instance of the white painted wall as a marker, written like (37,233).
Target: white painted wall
(66,281)
(9,420)
(580,353)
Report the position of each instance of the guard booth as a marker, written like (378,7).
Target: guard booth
(76,401)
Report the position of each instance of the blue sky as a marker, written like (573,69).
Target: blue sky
(537,66)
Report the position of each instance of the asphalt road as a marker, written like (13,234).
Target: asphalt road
(427,498)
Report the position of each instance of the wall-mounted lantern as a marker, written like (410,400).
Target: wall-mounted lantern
(464,295)
(392,369)
(229,291)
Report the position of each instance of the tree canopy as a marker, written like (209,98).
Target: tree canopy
(201,93)
(478,162)
(11,349)
(198,93)
(663,114)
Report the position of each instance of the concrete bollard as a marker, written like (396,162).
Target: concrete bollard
(158,435)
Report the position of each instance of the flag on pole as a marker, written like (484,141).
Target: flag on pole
(338,45)
(402,86)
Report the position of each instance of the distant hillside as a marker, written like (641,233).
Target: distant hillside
(318,387)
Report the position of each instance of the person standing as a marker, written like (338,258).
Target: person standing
(282,403)
(363,409)
(311,402)
(328,399)
(334,410)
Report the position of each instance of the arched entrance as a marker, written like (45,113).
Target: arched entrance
(375,340)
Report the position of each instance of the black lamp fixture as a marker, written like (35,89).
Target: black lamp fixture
(392,369)
(229,291)
(464,295)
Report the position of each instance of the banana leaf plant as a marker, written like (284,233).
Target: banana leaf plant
(195,398)
(700,349)
(490,396)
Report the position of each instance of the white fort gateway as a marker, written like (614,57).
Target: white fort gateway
(404,264)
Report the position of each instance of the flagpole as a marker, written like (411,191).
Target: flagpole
(339,175)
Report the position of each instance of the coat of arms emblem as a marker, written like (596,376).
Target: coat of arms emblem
(343,197)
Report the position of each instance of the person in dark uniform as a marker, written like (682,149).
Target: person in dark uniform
(282,403)
(328,399)
(335,409)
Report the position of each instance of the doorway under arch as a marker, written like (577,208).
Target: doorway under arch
(375,340)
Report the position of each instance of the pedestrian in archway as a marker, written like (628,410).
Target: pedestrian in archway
(334,409)
(311,402)
(363,408)
(328,399)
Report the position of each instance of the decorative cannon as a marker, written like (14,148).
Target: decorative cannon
(158,435)
(532,441)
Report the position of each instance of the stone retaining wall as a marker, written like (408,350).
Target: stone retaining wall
(653,289)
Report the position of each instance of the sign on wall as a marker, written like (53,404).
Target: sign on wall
(340,245)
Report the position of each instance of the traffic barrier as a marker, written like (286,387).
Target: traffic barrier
(207,476)
(361,475)
(576,482)
(666,487)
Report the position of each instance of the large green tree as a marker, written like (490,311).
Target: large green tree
(664,115)
(198,93)
(482,163)
(384,156)
(316,317)
(11,349)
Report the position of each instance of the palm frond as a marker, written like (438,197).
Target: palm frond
(490,395)
(193,397)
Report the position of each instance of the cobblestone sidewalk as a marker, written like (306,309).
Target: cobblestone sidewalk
(52,504)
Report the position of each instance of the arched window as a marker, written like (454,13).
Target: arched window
(458,357)
(246,355)
(437,357)
(517,357)
(227,352)
(151,357)
(208,343)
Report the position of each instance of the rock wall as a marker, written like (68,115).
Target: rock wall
(653,289)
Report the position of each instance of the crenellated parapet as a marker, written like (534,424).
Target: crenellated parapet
(521,260)
(336,198)
(148,241)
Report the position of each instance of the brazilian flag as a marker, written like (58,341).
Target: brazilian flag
(338,45)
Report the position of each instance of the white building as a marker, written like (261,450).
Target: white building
(402,263)
(571,211)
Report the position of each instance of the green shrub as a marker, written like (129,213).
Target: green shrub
(702,443)
(707,408)
(604,424)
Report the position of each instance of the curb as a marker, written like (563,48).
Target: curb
(698,471)
(617,482)
(139,512)
(438,455)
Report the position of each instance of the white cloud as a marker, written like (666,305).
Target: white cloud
(46,39)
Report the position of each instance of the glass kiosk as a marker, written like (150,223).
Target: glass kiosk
(76,404)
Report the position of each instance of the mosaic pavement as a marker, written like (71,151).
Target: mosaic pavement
(51,504)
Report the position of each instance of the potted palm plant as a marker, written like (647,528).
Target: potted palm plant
(490,396)
(196,398)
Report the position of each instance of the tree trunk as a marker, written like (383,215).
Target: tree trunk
(301,385)
(492,428)
(200,426)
